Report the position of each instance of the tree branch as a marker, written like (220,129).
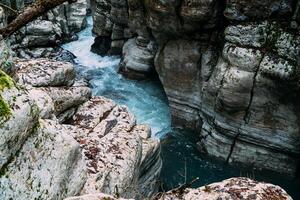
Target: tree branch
(29,14)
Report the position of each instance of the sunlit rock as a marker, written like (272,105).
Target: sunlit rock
(44,72)
(48,166)
(15,106)
(234,188)
(65,98)
(117,157)
(230,189)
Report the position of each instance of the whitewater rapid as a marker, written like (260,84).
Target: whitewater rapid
(145,99)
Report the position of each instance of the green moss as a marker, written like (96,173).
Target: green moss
(5,111)
(5,63)
(5,81)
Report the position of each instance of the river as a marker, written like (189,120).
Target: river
(182,162)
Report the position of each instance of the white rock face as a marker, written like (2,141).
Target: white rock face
(151,163)
(43,101)
(98,196)
(65,98)
(231,189)
(22,110)
(117,157)
(6,58)
(48,166)
(118,154)
(44,72)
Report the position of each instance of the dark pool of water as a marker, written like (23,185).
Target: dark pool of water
(182,163)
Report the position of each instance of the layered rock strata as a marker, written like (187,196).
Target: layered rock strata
(230,71)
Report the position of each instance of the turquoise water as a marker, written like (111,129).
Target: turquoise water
(145,99)
(182,162)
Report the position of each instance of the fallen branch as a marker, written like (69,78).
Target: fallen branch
(29,14)
(179,190)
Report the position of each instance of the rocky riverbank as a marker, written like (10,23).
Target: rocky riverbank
(58,141)
(229,69)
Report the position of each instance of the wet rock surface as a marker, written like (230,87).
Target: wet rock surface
(138,60)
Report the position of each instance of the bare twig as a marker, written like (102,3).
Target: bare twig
(9,8)
(178,190)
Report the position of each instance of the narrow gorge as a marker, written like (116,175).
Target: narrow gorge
(151,99)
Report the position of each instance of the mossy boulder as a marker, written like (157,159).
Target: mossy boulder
(18,116)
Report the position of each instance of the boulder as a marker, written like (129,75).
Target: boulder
(117,156)
(65,98)
(15,106)
(44,72)
(138,59)
(43,101)
(49,166)
(230,189)
(234,188)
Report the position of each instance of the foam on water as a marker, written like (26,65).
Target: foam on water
(81,49)
(145,99)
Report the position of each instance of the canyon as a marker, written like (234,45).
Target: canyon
(230,71)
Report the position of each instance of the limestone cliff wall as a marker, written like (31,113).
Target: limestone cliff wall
(230,70)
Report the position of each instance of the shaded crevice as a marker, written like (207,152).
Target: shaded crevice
(178,10)
(221,86)
(127,10)
(233,145)
(247,111)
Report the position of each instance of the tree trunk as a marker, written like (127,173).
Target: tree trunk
(29,14)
